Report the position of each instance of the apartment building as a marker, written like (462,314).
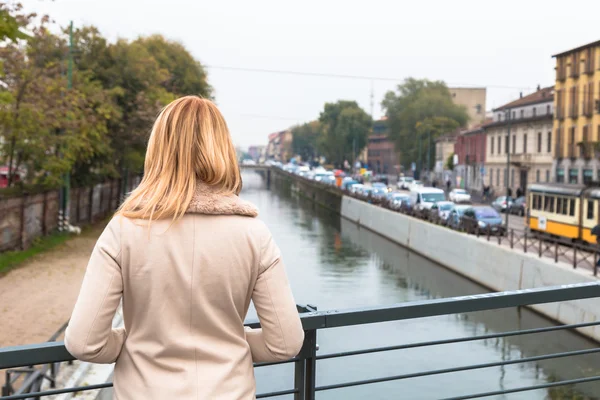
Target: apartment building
(530,119)
(577,117)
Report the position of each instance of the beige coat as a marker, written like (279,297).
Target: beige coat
(186,289)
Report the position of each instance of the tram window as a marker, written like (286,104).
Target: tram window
(559,205)
(572,208)
(590,209)
(537,202)
(549,203)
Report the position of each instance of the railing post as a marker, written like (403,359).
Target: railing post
(525,242)
(512,238)
(540,244)
(299,379)
(555,251)
(574,255)
(310,341)
(488,233)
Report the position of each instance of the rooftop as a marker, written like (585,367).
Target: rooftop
(585,46)
(540,96)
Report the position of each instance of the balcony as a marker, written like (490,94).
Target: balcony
(521,159)
(572,151)
(307,362)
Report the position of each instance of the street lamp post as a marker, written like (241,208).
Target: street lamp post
(508,120)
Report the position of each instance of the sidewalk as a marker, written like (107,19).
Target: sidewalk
(37,298)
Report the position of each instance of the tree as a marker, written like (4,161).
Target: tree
(304,140)
(186,76)
(345,128)
(429,129)
(450,162)
(12,22)
(418,111)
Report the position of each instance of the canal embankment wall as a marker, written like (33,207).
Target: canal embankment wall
(495,267)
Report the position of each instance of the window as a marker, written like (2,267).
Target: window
(573,175)
(505,177)
(572,207)
(559,205)
(514,144)
(549,141)
(492,146)
(522,114)
(590,209)
(525,143)
(506,144)
(539,142)
(537,202)
(499,144)
(588,176)
(512,177)
(560,175)
(547,175)
(549,204)
(514,115)
(498,177)
(537,176)
(534,110)
(548,110)
(500,117)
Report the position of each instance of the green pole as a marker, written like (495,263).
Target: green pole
(67,176)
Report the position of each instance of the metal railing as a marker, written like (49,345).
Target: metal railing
(306,363)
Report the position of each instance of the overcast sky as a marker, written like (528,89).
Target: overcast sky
(505,46)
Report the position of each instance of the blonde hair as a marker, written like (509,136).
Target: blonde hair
(189,143)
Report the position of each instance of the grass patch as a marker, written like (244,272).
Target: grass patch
(11,259)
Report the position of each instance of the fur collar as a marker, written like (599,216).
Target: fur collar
(207,200)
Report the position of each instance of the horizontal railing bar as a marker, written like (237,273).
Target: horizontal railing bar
(57,391)
(275,394)
(456,340)
(453,305)
(268,364)
(524,389)
(458,369)
(44,353)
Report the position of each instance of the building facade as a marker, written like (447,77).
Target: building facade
(530,144)
(470,150)
(474,101)
(382,156)
(577,117)
(280,146)
(257,153)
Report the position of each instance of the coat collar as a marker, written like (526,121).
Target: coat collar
(207,200)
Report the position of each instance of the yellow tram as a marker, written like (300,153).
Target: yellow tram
(561,210)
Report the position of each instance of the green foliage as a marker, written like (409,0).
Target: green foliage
(304,139)
(345,128)
(99,128)
(421,110)
(450,162)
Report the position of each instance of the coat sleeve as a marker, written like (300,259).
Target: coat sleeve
(281,335)
(89,335)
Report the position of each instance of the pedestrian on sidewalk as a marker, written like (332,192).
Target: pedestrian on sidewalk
(519,192)
(448,183)
(186,255)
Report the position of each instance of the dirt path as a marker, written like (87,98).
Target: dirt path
(37,298)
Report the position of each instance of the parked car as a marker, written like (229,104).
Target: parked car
(502,203)
(380,185)
(396,198)
(356,188)
(456,214)
(484,218)
(415,185)
(404,182)
(381,178)
(459,196)
(440,212)
(378,192)
(347,184)
(518,206)
(423,198)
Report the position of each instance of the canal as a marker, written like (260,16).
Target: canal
(334,264)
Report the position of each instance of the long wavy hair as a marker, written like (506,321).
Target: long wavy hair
(189,143)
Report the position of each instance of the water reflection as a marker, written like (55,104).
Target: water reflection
(333,263)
